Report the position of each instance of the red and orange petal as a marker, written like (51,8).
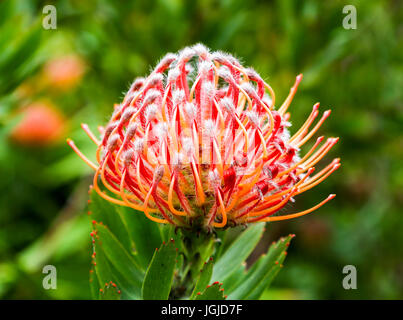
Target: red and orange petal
(201,139)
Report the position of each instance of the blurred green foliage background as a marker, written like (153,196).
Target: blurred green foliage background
(357,73)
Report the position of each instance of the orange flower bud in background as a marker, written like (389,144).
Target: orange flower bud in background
(65,72)
(41,124)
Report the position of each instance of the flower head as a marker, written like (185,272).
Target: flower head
(201,140)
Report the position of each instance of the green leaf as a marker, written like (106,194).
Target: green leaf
(159,276)
(110,292)
(264,284)
(102,269)
(231,282)
(237,277)
(236,254)
(213,292)
(101,272)
(260,275)
(127,231)
(94,284)
(9,31)
(144,233)
(203,279)
(119,257)
(105,272)
(14,62)
(6,10)
(105,212)
(167,231)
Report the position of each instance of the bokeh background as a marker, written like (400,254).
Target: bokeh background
(52,80)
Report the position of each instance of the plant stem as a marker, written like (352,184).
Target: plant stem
(197,248)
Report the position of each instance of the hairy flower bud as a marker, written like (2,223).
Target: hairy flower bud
(209,147)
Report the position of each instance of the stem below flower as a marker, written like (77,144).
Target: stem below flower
(197,248)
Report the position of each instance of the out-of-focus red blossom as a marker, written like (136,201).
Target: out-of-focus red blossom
(201,141)
(65,72)
(41,124)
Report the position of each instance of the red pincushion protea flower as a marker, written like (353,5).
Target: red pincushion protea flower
(200,140)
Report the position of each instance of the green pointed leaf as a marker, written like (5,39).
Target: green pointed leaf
(107,213)
(264,284)
(14,60)
(94,284)
(260,275)
(235,278)
(237,253)
(167,231)
(102,268)
(159,276)
(129,292)
(119,257)
(106,272)
(213,292)
(203,279)
(144,234)
(110,292)
(234,281)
